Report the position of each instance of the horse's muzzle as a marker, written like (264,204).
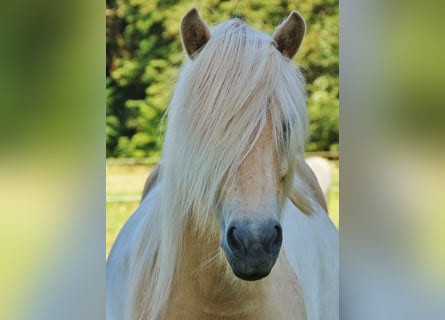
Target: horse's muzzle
(252,248)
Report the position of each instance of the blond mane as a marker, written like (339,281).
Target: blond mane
(220,105)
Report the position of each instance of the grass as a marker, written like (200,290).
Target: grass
(117,214)
(333,196)
(124,187)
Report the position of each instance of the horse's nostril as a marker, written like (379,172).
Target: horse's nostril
(278,237)
(244,239)
(234,240)
(272,237)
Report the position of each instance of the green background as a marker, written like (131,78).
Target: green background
(144,55)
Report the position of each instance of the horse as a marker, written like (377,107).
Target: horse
(232,224)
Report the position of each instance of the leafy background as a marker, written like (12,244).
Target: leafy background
(144,55)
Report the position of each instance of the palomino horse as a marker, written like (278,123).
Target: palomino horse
(233,224)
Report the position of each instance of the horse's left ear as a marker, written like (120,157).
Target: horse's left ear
(194,32)
(289,35)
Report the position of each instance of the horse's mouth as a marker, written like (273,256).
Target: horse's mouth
(252,268)
(252,276)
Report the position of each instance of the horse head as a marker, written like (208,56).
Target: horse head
(249,210)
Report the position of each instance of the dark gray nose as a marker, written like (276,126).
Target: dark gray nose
(247,239)
(252,247)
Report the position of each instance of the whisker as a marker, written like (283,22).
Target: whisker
(205,264)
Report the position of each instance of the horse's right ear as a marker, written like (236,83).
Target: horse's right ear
(194,32)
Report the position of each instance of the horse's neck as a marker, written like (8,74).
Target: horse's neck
(205,287)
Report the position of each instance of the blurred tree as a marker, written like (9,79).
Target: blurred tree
(144,55)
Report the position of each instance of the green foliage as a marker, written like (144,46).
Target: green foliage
(144,55)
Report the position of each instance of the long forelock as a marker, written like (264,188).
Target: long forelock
(221,103)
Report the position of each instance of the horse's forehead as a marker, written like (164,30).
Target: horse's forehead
(258,167)
(266,136)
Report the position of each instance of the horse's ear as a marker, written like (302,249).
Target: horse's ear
(289,35)
(194,32)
